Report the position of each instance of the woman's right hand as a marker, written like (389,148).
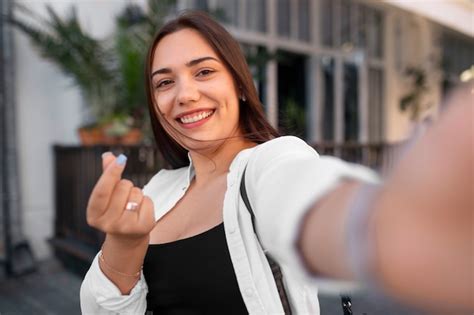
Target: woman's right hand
(118,208)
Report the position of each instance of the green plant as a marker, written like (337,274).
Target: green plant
(108,72)
(77,54)
(293,118)
(134,32)
(413,101)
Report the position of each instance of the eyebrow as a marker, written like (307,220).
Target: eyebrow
(188,64)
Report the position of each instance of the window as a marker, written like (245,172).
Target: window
(351,102)
(376,101)
(458,56)
(227,11)
(345,24)
(284,14)
(327,8)
(293,19)
(303,20)
(247,14)
(292,93)
(328,74)
(202,5)
(376,30)
(256,16)
(257,57)
(458,53)
(347,29)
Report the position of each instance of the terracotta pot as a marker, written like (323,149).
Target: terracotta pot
(133,137)
(96,136)
(91,136)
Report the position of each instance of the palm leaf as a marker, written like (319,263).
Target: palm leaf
(78,55)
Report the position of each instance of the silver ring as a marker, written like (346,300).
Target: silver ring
(131,206)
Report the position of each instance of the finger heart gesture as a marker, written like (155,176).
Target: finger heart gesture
(116,206)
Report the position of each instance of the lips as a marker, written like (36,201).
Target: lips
(195,116)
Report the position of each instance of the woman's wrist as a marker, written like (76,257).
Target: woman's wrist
(105,265)
(121,243)
(322,237)
(360,240)
(123,257)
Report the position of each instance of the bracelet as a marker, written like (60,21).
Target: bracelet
(101,257)
(360,246)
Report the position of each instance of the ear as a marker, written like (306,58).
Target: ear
(241,94)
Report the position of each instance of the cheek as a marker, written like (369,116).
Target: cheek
(231,112)
(234,106)
(163,103)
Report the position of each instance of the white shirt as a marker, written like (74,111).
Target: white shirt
(284,178)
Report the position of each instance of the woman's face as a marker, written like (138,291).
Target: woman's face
(193,89)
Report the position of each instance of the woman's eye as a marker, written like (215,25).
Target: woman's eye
(163,83)
(204,72)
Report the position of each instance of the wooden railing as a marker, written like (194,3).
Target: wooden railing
(77,169)
(378,156)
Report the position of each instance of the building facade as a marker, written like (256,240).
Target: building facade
(326,70)
(346,64)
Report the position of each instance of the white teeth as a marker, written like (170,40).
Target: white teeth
(198,117)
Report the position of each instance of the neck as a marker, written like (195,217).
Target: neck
(211,165)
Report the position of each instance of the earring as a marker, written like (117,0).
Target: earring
(242,97)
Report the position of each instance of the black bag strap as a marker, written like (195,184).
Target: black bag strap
(276,270)
(243,193)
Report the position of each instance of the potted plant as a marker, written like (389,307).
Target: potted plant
(108,72)
(414,101)
(77,54)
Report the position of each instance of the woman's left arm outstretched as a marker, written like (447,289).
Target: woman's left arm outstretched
(419,227)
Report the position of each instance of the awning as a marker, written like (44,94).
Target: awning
(455,14)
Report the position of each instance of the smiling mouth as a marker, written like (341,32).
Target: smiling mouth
(195,117)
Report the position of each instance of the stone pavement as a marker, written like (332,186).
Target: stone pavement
(55,291)
(50,291)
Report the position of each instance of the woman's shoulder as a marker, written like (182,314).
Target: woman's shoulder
(284,142)
(280,151)
(284,145)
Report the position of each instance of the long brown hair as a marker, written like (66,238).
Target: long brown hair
(252,121)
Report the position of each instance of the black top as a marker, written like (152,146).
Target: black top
(192,276)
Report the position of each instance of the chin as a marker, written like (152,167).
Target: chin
(205,143)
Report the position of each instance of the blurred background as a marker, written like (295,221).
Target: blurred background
(354,78)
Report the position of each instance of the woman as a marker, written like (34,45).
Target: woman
(189,228)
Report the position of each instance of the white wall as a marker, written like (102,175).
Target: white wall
(48,112)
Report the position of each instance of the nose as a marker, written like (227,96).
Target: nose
(187,92)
